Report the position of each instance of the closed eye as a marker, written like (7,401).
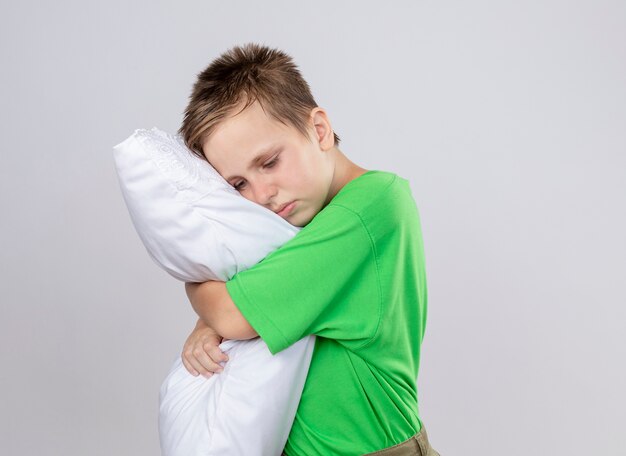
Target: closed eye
(271,163)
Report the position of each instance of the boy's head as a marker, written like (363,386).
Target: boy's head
(252,116)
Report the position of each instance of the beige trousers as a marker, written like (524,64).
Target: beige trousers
(418,445)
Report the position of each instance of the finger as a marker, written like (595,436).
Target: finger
(188,366)
(199,368)
(203,362)
(195,364)
(216,354)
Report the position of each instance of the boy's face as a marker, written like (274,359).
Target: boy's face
(272,164)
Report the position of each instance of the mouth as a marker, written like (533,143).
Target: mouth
(286,209)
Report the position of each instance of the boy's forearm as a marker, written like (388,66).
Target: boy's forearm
(203,298)
(211,301)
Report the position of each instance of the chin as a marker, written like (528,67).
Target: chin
(300,222)
(296,223)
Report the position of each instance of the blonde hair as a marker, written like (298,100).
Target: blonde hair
(249,73)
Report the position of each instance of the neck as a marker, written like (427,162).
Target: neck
(344,171)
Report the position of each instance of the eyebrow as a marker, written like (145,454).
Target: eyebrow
(261,156)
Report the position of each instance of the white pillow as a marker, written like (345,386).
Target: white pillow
(197,227)
(194,224)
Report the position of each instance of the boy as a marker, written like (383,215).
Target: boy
(354,275)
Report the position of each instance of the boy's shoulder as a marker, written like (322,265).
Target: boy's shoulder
(372,191)
(377,201)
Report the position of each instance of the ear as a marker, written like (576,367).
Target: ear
(323,130)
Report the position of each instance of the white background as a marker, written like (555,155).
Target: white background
(507,117)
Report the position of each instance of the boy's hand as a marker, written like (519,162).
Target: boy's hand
(201,353)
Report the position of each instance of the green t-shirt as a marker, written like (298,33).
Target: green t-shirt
(355,277)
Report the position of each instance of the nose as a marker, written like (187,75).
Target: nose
(264,192)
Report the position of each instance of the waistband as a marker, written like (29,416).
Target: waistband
(417,445)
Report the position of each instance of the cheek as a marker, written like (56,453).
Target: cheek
(294,184)
(248,195)
(301,178)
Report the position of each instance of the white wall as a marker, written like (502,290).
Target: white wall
(508,118)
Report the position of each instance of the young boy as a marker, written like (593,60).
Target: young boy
(354,275)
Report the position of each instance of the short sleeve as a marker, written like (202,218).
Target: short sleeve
(324,281)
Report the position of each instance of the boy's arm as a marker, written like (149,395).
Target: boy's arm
(211,301)
(325,281)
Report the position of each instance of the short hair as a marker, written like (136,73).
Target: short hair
(249,72)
